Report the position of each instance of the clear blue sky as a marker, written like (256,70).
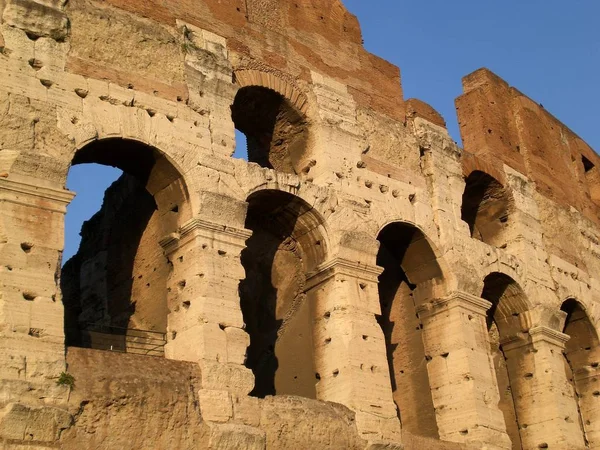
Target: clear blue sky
(548,49)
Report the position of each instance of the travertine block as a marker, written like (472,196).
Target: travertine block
(235,378)
(201,341)
(237,343)
(36,18)
(215,405)
(39,424)
(246,409)
(229,435)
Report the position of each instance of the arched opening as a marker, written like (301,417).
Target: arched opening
(582,359)
(508,302)
(485,208)
(114,288)
(276,132)
(592,179)
(408,263)
(287,242)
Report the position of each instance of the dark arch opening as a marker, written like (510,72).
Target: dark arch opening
(408,262)
(276,132)
(287,242)
(485,208)
(114,287)
(582,359)
(508,302)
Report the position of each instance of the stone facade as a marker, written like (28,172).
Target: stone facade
(362,282)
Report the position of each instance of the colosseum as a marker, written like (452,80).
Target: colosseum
(361,282)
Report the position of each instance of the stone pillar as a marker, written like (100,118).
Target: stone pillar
(544,400)
(31,309)
(461,372)
(205,322)
(350,353)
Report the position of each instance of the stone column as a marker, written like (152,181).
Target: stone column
(31,309)
(350,353)
(544,400)
(461,372)
(205,323)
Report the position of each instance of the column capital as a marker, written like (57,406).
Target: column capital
(53,199)
(197,227)
(548,334)
(534,336)
(342,266)
(457,299)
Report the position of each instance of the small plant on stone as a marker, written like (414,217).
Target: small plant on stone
(66,379)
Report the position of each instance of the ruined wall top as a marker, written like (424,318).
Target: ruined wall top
(500,125)
(292,37)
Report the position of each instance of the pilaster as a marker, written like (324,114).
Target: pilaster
(350,354)
(31,310)
(205,322)
(463,382)
(544,400)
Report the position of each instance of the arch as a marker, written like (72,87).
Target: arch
(503,320)
(288,241)
(135,157)
(251,77)
(582,359)
(514,272)
(508,300)
(579,322)
(472,163)
(409,262)
(118,279)
(271,112)
(421,259)
(486,208)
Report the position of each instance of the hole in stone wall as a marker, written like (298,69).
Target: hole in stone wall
(106,281)
(407,260)
(35,332)
(278,317)
(587,164)
(485,208)
(592,179)
(276,133)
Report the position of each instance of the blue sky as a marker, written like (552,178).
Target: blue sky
(548,49)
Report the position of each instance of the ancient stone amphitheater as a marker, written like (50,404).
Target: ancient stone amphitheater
(361,282)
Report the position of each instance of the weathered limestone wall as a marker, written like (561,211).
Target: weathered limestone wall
(254,32)
(154,403)
(502,126)
(491,259)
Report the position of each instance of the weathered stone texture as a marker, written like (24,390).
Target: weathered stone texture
(118,412)
(361,282)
